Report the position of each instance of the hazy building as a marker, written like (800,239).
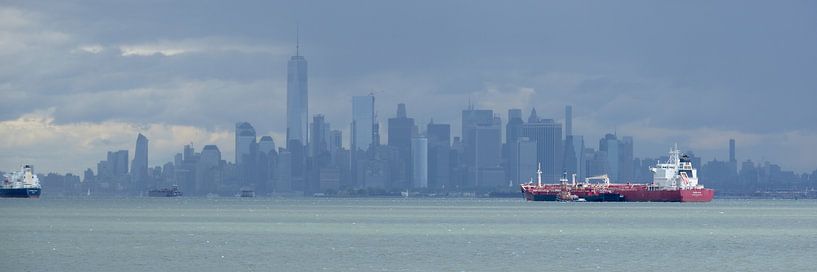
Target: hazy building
(419,162)
(208,170)
(244,141)
(297,99)
(362,122)
(548,136)
(401,129)
(439,154)
(625,159)
(524,169)
(118,163)
(139,167)
(266,145)
(319,136)
(335,141)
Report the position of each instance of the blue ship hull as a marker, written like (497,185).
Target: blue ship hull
(20,192)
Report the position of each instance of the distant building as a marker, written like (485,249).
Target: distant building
(401,130)
(362,123)
(139,167)
(548,136)
(244,141)
(439,155)
(419,162)
(297,100)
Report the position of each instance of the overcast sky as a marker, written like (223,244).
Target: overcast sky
(79,79)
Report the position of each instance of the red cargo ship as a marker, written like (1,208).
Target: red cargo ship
(673,181)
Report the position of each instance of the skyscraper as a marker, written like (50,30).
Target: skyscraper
(319,138)
(439,154)
(548,137)
(139,167)
(401,130)
(362,122)
(244,141)
(297,99)
(419,162)
(568,121)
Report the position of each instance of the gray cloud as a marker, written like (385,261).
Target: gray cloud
(696,73)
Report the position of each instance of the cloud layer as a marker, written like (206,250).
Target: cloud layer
(84,79)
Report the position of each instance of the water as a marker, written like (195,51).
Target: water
(310,234)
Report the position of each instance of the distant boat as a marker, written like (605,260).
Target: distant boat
(165,192)
(247,193)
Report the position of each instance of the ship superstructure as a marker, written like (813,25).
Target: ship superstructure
(22,184)
(675,180)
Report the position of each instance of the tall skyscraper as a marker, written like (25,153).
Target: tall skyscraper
(244,141)
(139,167)
(439,155)
(732,157)
(319,138)
(548,137)
(419,162)
(297,99)
(401,130)
(482,143)
(568,121)
(514,125)
(362,122)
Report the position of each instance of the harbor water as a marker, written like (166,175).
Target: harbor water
(404,234)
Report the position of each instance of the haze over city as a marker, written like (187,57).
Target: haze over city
(81,79)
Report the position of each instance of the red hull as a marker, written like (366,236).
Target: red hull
(629,192)
(686,195)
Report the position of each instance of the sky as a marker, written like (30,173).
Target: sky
(80,78)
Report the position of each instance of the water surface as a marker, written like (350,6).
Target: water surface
(335,234)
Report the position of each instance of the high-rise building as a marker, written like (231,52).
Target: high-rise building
(139,167)
(419,162)
(568,121)
(244,141)
(609,145)
(208,170)
(439,154)
(118,162)
(401,130)
(732,151)
(265,145)
(525,156)
(514,125)
(319,136)
(625,159)
(335,141)
(363,123)
(297,99)
(548,136)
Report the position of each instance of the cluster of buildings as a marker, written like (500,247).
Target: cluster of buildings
(414,156)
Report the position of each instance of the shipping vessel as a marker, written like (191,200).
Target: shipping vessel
(23,184)
(165,192)
(673,181)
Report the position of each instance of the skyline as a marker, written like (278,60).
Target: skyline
(79,115)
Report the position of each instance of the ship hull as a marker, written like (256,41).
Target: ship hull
(685,195)
(629,195)
(20,193)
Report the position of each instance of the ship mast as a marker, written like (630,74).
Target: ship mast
(539,175)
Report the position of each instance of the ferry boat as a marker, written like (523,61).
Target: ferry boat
(673,181)
(23,184)
(165,192)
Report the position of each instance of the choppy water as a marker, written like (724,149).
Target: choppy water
(307,234)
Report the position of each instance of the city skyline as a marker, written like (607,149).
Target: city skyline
(208,88)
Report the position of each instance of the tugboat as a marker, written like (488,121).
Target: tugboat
(165,192)
(23,184)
